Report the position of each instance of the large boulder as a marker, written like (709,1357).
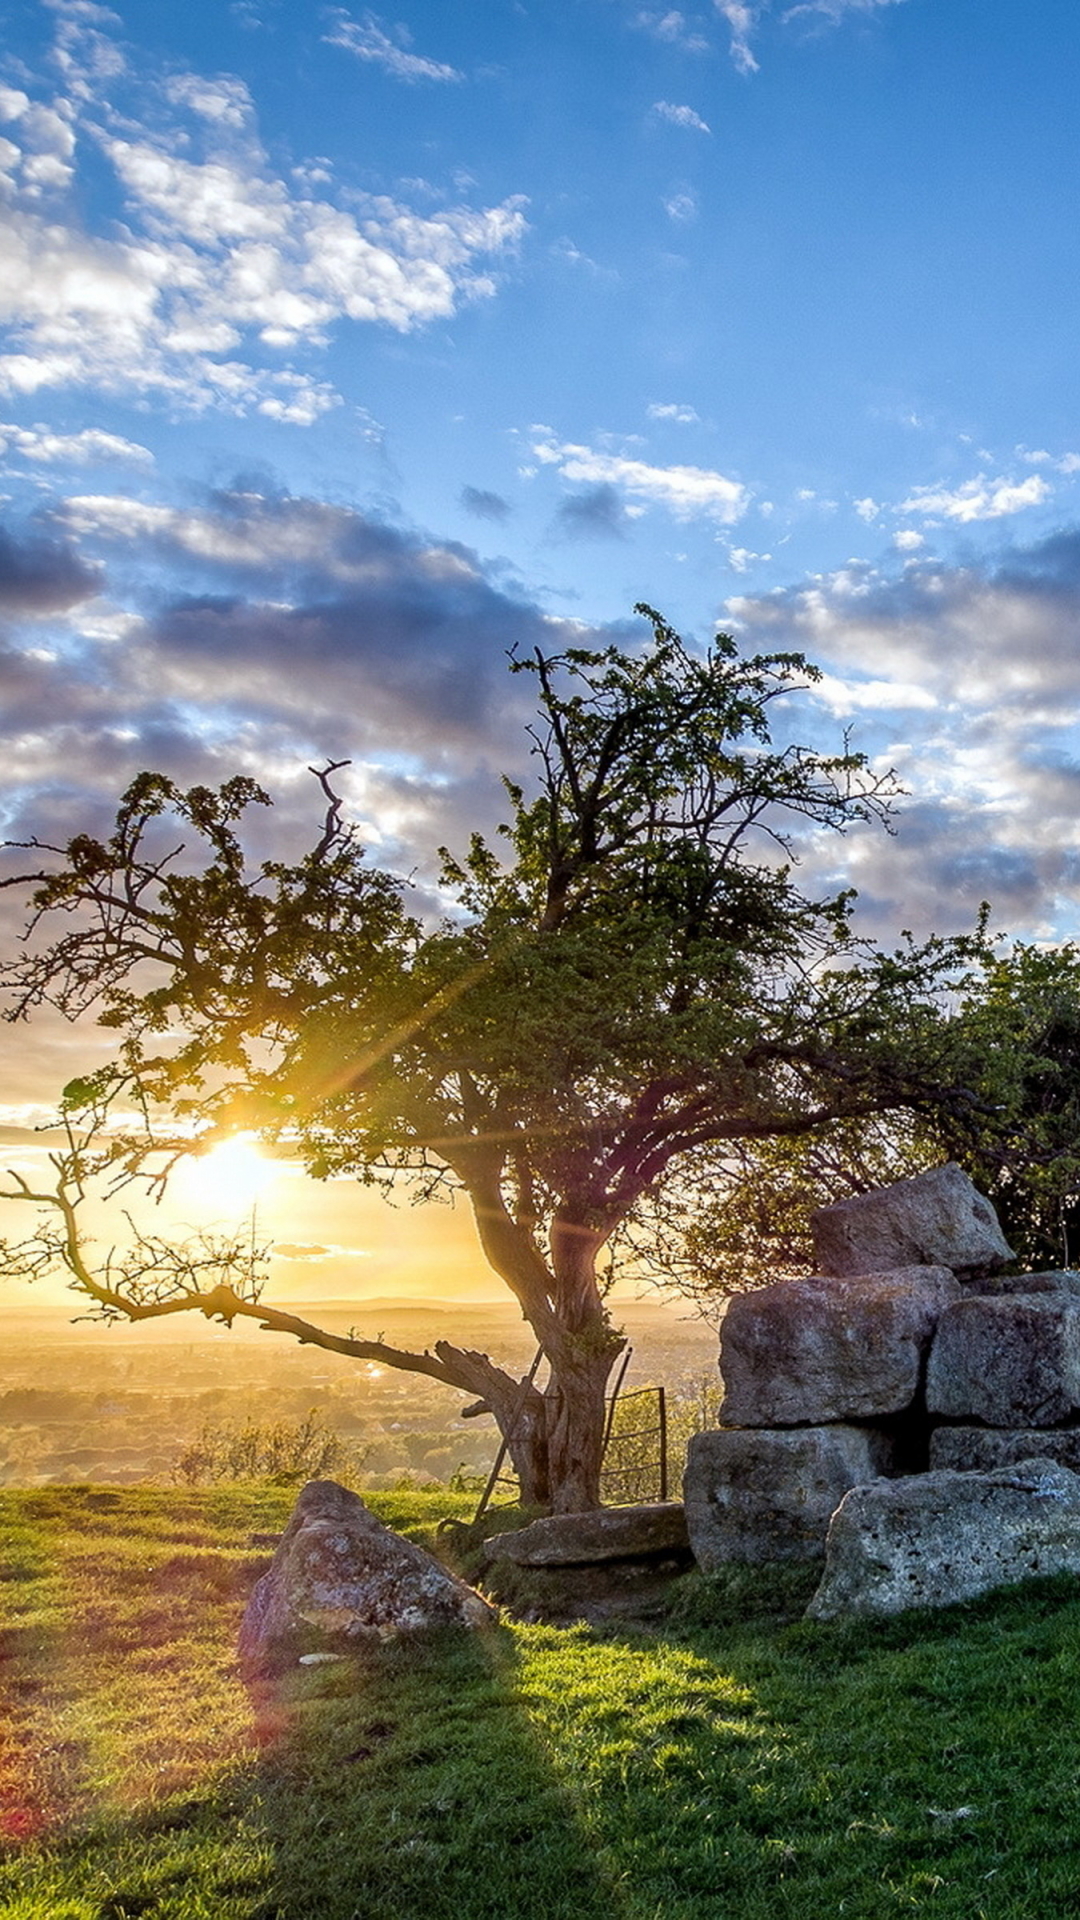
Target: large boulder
(934,1538)
(340,1579)
(583,1539)
(1011,1360)
(830,1348)
(753,1495)
(935,1219)
(981,1449)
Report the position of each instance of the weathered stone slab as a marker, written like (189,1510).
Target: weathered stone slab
(828,1348)
(1011,1360)
(583,1539)
(754,1495)
(935,1219)
(1059,1280)
(934,1538)
(982,1449)
(340,1579)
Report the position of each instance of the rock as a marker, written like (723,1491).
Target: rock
(830,1348)
(340,1579)
(1011,1360)
(755,1495)
(981,1449)
(934,1538)
(615,1563)
(582,1539)
(935,1219)
(1059,1281)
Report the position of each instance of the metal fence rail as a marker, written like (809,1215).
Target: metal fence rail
(635,1465)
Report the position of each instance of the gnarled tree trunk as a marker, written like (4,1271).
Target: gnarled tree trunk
(576,1408)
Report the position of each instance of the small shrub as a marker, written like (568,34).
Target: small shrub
(286,1454)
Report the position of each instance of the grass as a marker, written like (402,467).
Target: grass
(736,1763)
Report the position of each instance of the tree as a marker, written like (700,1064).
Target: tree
(636,978)
(1019,1023)
(1012,1037)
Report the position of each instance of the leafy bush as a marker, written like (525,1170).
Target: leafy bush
(287,1454)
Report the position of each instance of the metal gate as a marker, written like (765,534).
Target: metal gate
(635,1457)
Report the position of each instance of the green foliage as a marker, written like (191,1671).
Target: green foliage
(739,1761)
(746,1223)
(1020,1025)
(286,1453)
(1011,1038)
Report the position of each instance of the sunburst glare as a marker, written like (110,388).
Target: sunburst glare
(229,1179)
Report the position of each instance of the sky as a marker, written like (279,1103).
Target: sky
(342,351)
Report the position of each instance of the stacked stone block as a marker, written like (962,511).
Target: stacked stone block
(827,1378)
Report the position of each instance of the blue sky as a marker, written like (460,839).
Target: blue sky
(342,350)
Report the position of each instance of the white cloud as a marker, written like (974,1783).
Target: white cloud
(687,492)
(681,207)
(834,11)
(91,444)
(671,410)
(221,266)
(39,158)
(742,19)
(745,16)
(908,541)
(680,116)
(224,101)
(741,559)
(369,40)
(978,499)
(867,509)
(1067,463)
(845,697)
(672,28)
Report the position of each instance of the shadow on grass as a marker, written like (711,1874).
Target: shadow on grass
(409,1782)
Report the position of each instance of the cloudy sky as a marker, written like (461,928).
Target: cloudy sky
(342,350)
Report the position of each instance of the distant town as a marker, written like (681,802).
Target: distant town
(119,1405)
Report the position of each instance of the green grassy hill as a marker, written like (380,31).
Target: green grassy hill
(734,1764)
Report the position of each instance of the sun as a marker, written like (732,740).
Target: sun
(230,1179)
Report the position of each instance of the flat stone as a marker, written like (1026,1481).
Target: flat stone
(982,1449)
(1010,1361)
(1059,1280)
(755,1495)
(583,1539)
(340,1579)
(827,1348)
(935,1219)
(934,1538)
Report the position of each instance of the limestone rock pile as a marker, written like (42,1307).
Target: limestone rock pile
(903,1369)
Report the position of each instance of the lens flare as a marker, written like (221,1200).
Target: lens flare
(230,1179)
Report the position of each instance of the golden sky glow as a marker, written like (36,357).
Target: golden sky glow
(226,1182)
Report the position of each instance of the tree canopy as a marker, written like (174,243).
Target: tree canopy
(1012,1038)
(630,977)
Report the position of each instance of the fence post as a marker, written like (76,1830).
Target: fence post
(663,1444)
(620,1377)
